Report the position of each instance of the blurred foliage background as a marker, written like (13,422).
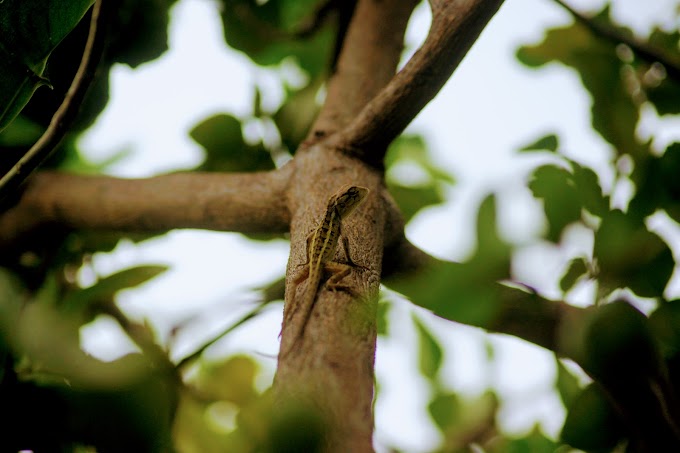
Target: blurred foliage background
(55,397)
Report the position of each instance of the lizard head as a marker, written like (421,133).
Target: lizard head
(347,199)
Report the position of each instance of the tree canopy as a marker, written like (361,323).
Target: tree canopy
(344,124)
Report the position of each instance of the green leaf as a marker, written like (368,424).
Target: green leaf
(629,255)
(665,96)
(412,199)
(549,142)
(412,149)
(592,423)
(231,380)
(409,153)
(445,410)
(534,442)
(106,288)
(260,30)
(29,31)
(382,317)
(560,198)
(222,139)
(665,324)
(567,384)
(615,113)
(618,345)
(295,116)
(478,296)
(566,193)
(430,351)
(139,31)
(658,186)
(577,268)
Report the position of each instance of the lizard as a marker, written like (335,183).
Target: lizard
(322,243)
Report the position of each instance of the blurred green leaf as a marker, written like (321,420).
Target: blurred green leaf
(139,31)
(664,95)
(567,384)
(230,380)
(412,199)
(658,186)
(222,139)
(445,410)
(382,317)
(560,198)
(410,152)
(592,423)
(192,432)
(260,30)
(534,442)
(614,112)
(618,344)
(413,149)
(295,116)
(430,351)
(665,324)
(29,32)
(297,428)
(629,255)
(463,422)
(478,297)
(577,268)
(565,193)
(106,288)
(549,142)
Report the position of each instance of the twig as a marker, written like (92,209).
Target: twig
(247,317)
(66,112)
(649,53)
(456,25)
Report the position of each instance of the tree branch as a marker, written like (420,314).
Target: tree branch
(66,113)
(251,203)
(368,60)
(456,25)
(641,48)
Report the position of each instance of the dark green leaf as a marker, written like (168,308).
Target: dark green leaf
(658,186)
(226,150)
(549,142)
(665,324)
(29,31)
(139,31)
(259,30)
(561,203)
(665,96)
(430,352)
(577,268)
(592,422)
(618,344)
(629,255)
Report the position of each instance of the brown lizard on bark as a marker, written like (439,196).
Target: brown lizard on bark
(321,246)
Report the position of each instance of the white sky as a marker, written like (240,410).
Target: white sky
(489,108)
